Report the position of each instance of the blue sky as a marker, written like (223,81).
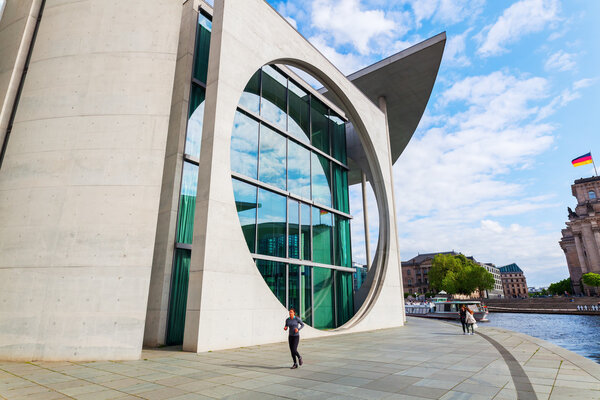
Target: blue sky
(488,171)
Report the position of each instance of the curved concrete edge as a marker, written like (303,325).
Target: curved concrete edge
(578,360)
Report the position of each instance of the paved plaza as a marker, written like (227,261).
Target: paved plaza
(426,359)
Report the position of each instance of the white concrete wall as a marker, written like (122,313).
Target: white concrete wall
(80,184)
(229,304)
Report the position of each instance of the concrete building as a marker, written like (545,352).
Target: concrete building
(415,272)
(581,238)
(165,176)
(498,291)
(415,275)
(513,281)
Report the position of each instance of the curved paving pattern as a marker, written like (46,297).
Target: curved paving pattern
(426,359)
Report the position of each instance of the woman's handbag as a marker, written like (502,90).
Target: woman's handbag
(475,326)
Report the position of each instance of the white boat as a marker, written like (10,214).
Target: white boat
(441,307)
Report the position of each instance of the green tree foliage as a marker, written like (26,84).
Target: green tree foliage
(561,287)
(458,275)
(591,279)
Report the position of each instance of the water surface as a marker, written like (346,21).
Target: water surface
(578,333)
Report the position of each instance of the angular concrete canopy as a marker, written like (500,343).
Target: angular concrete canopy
(406,80)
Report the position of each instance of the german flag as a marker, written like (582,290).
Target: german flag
(582,160)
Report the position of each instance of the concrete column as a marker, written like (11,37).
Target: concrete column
(383,107)
(582,260)
(366,219)
(166,228)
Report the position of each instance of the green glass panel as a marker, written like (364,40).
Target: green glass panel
(178,297)
(294,288)
(293,229)
(343,249)
(323,296)
(320,124)
(272,158)
(202,48)
(345,297)
(306,293)
(274,97)
(322,223)
(274,275)
(193,136)
(244,145)
(340,189)
(187,203)
(305,222)
(298,170)
(337,127)
(245,203)
(321,180)
(251,96)
(298,121)
(272,209)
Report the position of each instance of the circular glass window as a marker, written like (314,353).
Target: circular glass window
(290,182)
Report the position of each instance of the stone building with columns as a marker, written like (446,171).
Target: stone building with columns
(581,238)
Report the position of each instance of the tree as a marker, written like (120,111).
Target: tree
(561,287)
(591,279)
(458,275)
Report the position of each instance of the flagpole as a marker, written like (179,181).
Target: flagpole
(594,164)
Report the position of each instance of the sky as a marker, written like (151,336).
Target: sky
(488,171)
(517,97)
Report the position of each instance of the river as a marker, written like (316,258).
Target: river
(578,333)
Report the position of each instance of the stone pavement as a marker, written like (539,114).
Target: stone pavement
(426,359)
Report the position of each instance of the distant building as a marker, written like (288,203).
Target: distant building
(415,275)
(415,272)
(513,281)
(497,291)
(581,238)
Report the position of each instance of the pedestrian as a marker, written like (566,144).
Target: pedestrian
(470,320)
(295,324)
(462,313)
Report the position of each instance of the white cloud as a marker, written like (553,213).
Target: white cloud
(583,83)
(348,23)
(448,12)
(560,61)
(454,53)
(521,18)
(455,182)
(347,63)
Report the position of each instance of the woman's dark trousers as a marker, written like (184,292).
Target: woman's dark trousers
(293,341)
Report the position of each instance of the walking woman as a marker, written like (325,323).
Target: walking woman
(470,320)
(462,313)
(294,323)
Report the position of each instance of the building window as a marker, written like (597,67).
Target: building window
(290,181)
(591,195)
(408,272)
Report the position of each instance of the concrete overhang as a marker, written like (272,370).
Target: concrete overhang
(406,80)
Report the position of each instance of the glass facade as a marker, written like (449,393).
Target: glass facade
(189,184)
(290,182)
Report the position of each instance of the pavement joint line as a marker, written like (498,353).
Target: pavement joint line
(534,353)
(35,383)
(555,378)
(83,379)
